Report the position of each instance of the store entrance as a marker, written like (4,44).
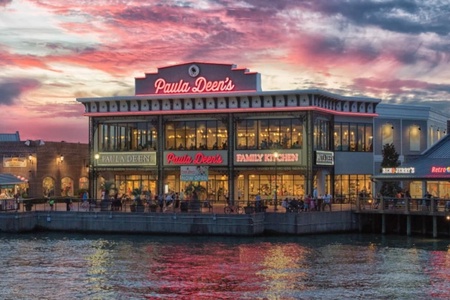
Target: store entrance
(126,184)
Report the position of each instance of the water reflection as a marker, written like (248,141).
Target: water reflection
(57,266)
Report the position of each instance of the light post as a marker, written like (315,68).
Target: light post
(95,176)
(275,156)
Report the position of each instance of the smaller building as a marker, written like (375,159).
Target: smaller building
(45,168)
(427,173)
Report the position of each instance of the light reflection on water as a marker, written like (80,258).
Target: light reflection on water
(350,266)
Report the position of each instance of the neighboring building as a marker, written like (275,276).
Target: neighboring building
(9,137)
(210,124)
(46,168)
(413,130)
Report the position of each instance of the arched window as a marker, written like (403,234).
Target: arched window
(48,187)
(66,186)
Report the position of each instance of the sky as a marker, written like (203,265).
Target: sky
(54,51)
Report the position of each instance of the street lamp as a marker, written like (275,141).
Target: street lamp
(275,156)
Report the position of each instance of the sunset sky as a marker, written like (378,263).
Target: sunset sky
(54,51)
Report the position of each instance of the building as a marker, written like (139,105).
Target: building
(211,126)
(415,131)
(45,168)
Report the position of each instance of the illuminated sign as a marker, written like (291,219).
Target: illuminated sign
(195,158)
(325,158)
(198,78)
(409,170)
(267,157)
(201,85)
(194,173)
(440,169)
(14,162)
(126,159)
(285,157)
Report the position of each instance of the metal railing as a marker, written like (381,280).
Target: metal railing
(76,204)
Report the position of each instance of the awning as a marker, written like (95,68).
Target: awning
(9,179)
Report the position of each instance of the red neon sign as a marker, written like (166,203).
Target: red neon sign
(201,85)
(440,169)
(198,159)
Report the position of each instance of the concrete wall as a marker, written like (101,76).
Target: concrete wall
(189,223)
(309,223)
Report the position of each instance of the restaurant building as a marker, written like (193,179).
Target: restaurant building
(211,125)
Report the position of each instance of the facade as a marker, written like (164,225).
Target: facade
(414,131)
(45,168)
(209,127)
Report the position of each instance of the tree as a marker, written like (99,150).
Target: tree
(390,160)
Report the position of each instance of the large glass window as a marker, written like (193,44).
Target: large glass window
(321,135)
(353,137)
(269,134)
(129,136)
(348,187)
(196,135)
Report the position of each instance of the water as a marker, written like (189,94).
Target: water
(349,266)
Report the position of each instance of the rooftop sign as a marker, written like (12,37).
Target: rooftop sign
(197,78)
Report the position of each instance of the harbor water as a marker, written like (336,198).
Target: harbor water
(344,266)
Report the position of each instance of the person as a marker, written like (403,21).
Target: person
(51,202)
(378,200)
(285,204)
(258,202)
(68,204)
(426,201)
(327,201)
(307,202)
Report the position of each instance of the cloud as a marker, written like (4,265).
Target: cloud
(404,16)
(12,89)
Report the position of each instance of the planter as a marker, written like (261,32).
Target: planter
(152,208)
(184,206)
(249,209)
(28,206)
(139,208)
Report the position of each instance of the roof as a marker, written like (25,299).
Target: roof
(9,179)
(9,137)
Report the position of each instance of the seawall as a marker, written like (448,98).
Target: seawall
(180,223)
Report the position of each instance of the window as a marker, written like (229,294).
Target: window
(355,137)
(196,135)
(387,134)
(127,136)
(269,134)
(414,138)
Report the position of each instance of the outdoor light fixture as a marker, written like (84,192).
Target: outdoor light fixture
(61,158)
(30,158)
(275,156)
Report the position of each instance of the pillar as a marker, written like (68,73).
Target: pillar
(434,226)
(408,225)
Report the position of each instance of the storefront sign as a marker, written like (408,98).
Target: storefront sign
(440,170)
(201,85)
(194,173)
(409,170)
(14,162)
(285,157)
(198,78)
(325,158)
(126,159)
(217,158)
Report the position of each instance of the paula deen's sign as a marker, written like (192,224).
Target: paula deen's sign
(111,159)
(198,78)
